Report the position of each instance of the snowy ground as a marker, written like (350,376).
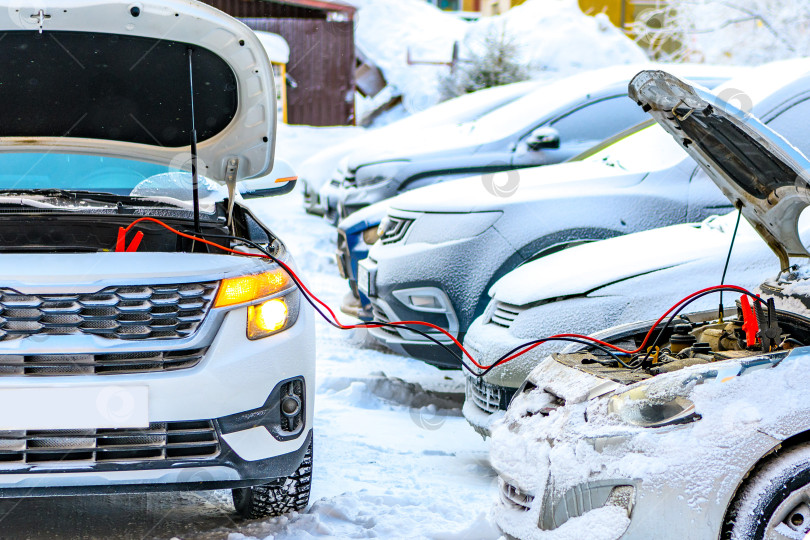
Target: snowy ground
(394,458)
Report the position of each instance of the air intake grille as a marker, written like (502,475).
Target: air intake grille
(160,441)
(484,395)
(505,314)
(132,312)
(43,365)
(515,497)
(395,229)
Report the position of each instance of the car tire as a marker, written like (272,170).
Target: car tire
(771,499)
(281,497)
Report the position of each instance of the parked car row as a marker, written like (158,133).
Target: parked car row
(705,423)
(710,434)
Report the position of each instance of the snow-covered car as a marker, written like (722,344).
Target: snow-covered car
(355,235)
(700,431)
(357,232)
(442,247)
(325,165)
(133,358)
(554,122)
(551,295)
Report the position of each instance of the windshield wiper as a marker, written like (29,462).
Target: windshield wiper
(99,197)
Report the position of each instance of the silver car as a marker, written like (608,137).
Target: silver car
(702,433)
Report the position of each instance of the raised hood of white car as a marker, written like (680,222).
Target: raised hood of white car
(112,77)
(752,165)
(481,192)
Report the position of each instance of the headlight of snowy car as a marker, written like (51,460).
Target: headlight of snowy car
(278,312)
(377,173)
(437,228)
(640,408)
(371,235)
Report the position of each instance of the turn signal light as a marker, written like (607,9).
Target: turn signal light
(238,290)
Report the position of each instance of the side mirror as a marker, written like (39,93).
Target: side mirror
(543,138)
(279,181)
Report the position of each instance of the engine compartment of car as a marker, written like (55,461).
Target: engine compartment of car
(691,340)
(96,230)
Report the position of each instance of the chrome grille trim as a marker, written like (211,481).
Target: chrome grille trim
(505,314)
(137,312)
(161,441)
(395,229)
(514,497)
(484,395)
(44,365)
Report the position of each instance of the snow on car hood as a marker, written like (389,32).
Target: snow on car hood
(752,165)
(532,184)
(111,77)
(563,274)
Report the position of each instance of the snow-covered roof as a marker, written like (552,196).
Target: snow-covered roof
(276,46)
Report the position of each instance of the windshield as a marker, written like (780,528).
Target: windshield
(650,149)
(22,172)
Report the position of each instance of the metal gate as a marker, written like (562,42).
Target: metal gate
(320,90)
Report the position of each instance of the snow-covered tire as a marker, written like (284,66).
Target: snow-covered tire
(279,498)
(771,504)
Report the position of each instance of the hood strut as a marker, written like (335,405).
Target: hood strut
(194,178)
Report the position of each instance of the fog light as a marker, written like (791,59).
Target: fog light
(266,318)
(290,406)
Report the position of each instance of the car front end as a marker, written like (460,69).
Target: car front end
(589,444)
(355,236)
(151,336)
(393,276)
(127,372)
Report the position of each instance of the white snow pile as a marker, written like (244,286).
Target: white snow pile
(554,38)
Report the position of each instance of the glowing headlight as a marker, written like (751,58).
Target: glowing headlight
(267,318)
(279,309)
(638,407)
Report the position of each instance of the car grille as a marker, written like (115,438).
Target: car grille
(484,395)
(395,229)
(86,364)
(505,314)
(514,497)
(131,312)
(380,316)
(160,441)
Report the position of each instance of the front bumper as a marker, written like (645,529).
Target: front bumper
(210,426)
(455,274)
(312,200)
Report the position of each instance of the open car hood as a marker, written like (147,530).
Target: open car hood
(753,166)
(111,77)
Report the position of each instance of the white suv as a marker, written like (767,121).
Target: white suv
(168,353)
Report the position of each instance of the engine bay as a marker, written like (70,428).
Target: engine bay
(694,339)
(96,229)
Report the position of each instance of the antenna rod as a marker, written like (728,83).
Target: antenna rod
(194,178)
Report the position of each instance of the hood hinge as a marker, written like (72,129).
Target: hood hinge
(230,181)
